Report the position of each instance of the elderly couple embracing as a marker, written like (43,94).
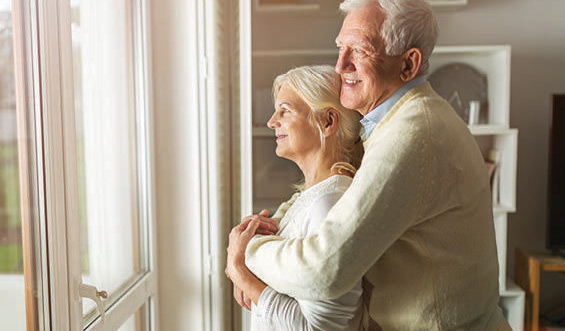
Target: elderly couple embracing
(392,228)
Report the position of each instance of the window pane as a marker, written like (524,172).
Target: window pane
(112,254)
(138,322)
(12,295)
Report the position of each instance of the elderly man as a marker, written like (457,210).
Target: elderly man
(416,223)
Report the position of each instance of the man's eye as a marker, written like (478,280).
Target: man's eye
(358,51)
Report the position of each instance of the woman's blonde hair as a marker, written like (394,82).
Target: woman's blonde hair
(319,86)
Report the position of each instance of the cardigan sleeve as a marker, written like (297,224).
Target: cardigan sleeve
(383,201)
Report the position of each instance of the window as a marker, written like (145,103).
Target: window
(12,296)
(113,251)
(83,104)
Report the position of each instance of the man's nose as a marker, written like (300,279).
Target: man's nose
(343,63)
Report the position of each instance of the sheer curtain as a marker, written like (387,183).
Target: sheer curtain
(195,91)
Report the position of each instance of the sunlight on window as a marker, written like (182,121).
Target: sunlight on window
(111,257)
(137,322)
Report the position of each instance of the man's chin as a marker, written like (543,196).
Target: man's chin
(347,103)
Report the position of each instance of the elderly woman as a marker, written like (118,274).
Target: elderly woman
(316,132)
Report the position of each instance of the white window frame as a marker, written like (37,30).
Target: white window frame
(46,88)
(245,106)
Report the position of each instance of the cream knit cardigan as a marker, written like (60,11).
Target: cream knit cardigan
(416,222)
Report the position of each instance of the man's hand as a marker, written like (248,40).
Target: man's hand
(240,236)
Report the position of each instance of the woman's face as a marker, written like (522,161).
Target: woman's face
(297,138)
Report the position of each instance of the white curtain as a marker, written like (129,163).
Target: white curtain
(197,157)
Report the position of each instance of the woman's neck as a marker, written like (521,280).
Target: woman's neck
(317,169)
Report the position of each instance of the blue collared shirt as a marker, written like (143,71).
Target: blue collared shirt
(376,115)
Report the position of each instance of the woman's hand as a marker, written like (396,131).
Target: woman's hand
(236,270)
(267,225)
(240,236)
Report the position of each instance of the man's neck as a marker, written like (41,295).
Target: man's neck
(376,115)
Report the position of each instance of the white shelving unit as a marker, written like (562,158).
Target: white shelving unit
(268,58)
(491,61)
(495,134)
(512,301)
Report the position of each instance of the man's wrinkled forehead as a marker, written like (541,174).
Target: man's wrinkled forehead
(361,27)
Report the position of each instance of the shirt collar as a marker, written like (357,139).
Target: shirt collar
(376,115)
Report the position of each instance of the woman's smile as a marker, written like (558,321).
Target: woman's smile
(292,126)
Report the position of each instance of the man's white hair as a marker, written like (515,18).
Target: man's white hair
(408,23)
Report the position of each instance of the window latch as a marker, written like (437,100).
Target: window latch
(92,293)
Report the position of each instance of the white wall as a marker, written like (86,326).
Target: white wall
(536,31)
(178,227)
(12,302)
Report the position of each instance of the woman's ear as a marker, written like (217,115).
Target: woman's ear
(330,122)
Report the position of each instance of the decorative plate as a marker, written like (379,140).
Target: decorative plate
(459,84)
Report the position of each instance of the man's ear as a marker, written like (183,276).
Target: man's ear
(411,63)
(330,122)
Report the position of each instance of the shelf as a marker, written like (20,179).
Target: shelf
(503,209)
(294,6)
(488,129)
(447,3)
(294,52)
(285,6)
(476,130)
(512,289)
(492,61)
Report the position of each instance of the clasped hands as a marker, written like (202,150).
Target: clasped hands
(239,237)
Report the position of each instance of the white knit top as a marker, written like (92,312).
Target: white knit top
(304,214)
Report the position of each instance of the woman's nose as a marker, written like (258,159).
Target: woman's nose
(273,122)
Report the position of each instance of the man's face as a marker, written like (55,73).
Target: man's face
(368,75)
